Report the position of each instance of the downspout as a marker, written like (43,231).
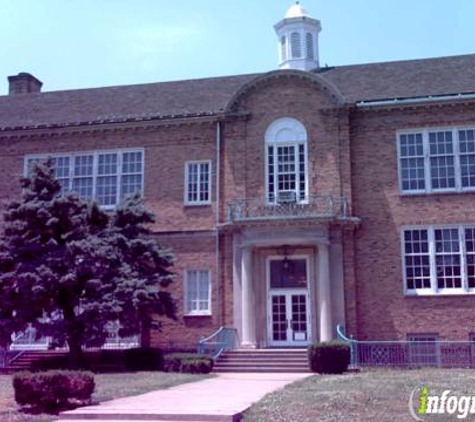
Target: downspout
(220,301)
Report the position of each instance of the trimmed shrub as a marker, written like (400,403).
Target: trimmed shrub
(143,359)
(53,390)
(331,357)
(190,363)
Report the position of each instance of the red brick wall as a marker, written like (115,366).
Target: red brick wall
(244,150)
(192,252)
(383,311)
(168,147)
(166,151)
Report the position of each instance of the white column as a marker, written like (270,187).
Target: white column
(237,291)
(324,294)
(248,330)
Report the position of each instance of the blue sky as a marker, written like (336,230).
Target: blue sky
(71,44)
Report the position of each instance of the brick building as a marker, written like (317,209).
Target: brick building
(294,200)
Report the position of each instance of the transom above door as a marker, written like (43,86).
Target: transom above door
(288,310)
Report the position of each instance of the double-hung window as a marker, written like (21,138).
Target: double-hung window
(286,161)
(104,176)
(437,160)
(197,292)
(439,260)
(198,183)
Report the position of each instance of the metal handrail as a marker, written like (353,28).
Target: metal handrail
(314,206)
(409,353)
(225,338)
(8,356)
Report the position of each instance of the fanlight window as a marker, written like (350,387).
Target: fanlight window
(286,157)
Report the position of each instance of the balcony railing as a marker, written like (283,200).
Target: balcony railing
(318,206)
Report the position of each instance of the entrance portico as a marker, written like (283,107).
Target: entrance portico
(287,285)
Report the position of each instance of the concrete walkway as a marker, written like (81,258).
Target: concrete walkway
(223,398)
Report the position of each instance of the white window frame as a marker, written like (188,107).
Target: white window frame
(95,175)
(427,157)
(187,175)
(434,290)
(273,139)
(196,312)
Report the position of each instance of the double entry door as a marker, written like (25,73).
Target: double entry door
(288,303)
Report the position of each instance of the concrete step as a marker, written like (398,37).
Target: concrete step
(128,420)
(253,365)
(261,369)
(262,359)
(83,416)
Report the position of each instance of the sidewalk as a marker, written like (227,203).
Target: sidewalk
(223,398)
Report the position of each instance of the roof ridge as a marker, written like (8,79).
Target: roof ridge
(141,84)
(391,62)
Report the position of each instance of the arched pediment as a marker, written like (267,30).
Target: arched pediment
(312,78)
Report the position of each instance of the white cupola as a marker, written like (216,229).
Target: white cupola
(298,39)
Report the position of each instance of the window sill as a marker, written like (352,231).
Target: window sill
(197,314)
(435,193)
(197,204)
(439,294)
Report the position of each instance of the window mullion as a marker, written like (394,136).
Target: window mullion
(275,152)
(197,297)
(306,167)
(95,170)
(198,183)
(71,172)
(432,259)
(297,171)
(425,143)
(118,178)
(463,258)
(456,149)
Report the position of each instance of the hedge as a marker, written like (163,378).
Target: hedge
(52,391)
(143,359)
(332,357)
(190,363)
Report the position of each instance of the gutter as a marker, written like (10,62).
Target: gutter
(415,100)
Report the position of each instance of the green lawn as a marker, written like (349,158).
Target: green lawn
(108,386)
(373,395)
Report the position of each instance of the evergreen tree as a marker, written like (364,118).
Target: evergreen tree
(69,268)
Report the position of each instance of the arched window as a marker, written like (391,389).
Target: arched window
(295,45)
(283,48)
(309,44)
(286,162)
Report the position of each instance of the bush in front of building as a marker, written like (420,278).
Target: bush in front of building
(143,359)
(190,363)
(52,391)
(331,357)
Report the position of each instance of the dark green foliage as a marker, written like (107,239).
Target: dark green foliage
(332,357)
(53,390)
(190,363)
(95,361)
(68,268)
(143,359)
